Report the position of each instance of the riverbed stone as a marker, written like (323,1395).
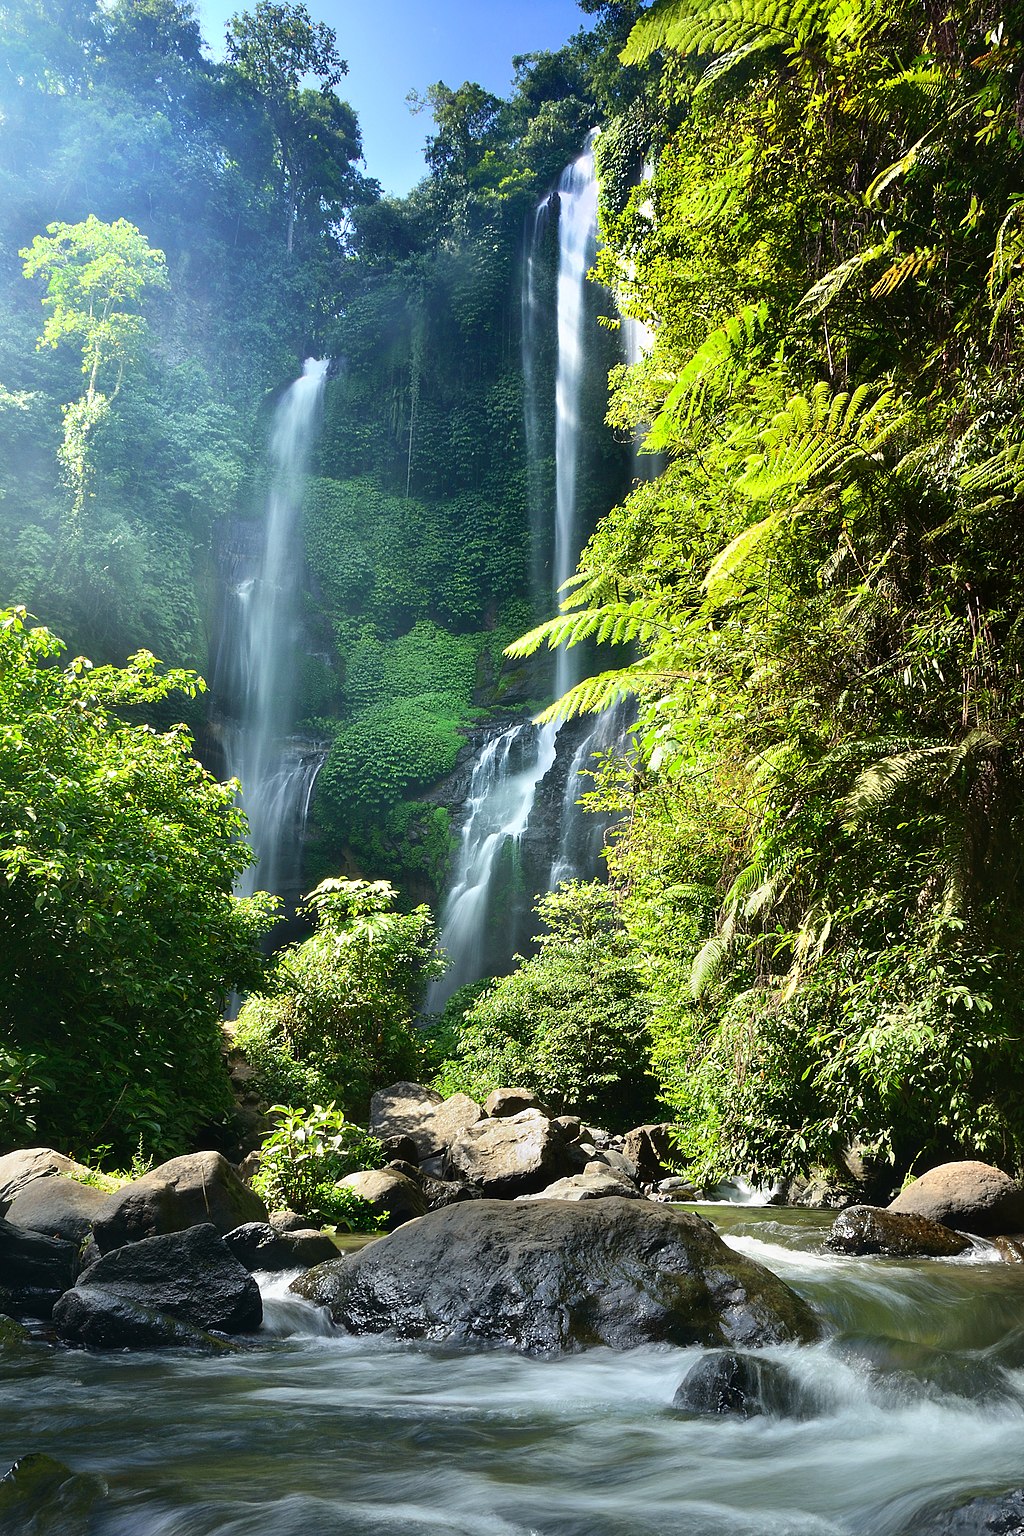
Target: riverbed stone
(34,1271)
(404,1109)
(400,1149)
(388,1193)
(998,1515)
(199,1188)
(739,1385)
(898,1235)
(19,1169)
(258,1246)
(649,1149)
(58,1207)
(551,1277)
(92,1318)
(970,1196)
(514,1156)
(441,1192)
(40,1495)
(595,1183)
(502,1102)
(191,1276)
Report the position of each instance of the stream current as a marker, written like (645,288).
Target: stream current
(917,1398)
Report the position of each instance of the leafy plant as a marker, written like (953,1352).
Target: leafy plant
(304,1156)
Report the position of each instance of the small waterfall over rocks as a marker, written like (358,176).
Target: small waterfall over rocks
(523,830)
(259,643)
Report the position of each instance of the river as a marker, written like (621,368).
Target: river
(916,1395)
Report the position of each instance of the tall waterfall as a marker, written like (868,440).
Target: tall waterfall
(258,649)
(512,767)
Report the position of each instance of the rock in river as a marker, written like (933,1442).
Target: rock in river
(554,1277)
(970,1196)
(898,1235)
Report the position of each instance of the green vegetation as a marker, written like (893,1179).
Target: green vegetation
(120,936)
(337,1018)
(303,1158)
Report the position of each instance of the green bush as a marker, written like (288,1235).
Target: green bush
(570,1022)
(303,1158)
(340,1012)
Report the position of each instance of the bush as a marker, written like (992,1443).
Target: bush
(570,1023)
(301,1161)
(339,1015)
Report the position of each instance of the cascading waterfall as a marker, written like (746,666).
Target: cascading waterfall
(512,767)
(256,661)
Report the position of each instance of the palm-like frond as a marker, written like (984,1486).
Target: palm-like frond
(711,372)
(817,437)
(820,296)
(724,26)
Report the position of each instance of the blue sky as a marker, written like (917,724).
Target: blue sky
(397,46)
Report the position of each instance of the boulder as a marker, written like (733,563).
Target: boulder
(972,1197)
(870,1229)
(515,1156)
(1001,1515)
(40,1494)
(58,1207)
(1010,1249)
(615,1162)
(596,1183)
(400,1149)
(649,1149)
(430,1122)
(388,1193)
(742,1386)
(92,1318)
(12,1335)
(189,1191)
(550,1277)
(258,1245)
(441,1192)
(18,1169)
(191,1276)
(571,1126)
(503,1102)
(288,1221)
(34,1271)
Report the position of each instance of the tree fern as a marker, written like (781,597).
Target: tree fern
(818,436)
(712,370)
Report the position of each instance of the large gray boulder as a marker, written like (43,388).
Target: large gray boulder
(501,1102)
(185,1192)
(34,1271)
(595,1183)
(190,1276)
(58,1207)
(649,1149)
(92,1318)
(431,1122)
(19,1169)
(972,1197)
(259,1246)
(897,1235)
(389,1194)
(550,1277)
(518,1155)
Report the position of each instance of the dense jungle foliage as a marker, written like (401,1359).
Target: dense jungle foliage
(810,938)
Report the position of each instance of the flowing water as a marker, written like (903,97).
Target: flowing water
(260,640)
(514,771)
(917,1396)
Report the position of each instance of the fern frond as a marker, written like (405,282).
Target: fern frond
(707,965)
(816,438)
(615,623)
(712,370)
(1002,472)
(599,693)
(735,556)
(916,263)
(878,785)
(728,61)
(817,299)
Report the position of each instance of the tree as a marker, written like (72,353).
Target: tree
(120,938)
(96,275)
(274,48)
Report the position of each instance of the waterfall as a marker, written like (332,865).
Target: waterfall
(259,644)
(502,805)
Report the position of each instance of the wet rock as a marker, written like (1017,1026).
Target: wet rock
(1010,1249)
(649,1149)
(509,1101)
(742,1386)
(258,1245)
(515,1156)
(1001,1515)
(191,1276)
(408,1170)
(19,1169)
(441,1192)
(430,1122)
(400,1149)
(12,1335)
(549,1277)
(870,1229)
(189,1191)
(392,1195)
(58,1207)
(970,1196)
(40,1496)
(92,1318)
(597,1183)
(34,1271)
